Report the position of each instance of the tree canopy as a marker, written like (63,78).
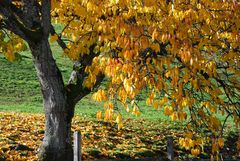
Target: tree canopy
(185,54)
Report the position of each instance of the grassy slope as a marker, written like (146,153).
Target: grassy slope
(20,90)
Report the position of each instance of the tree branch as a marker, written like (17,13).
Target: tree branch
(14,21)
(60,42)
(77,91)
(46,17)
(9,22)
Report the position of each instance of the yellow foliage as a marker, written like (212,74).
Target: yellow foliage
(221,142)
(215,147)
(182,115)
(119,118)
(19,46)
(110,105)
(185,102)
(53,38)
(108,115)
(74,38)
(10,56)
(156,104)
(189,135)
(149,101)
(154,34)
(99,115)
(214,122)
(187,143)
(168,110)
(195,151)
(120,126)
(99,96)
(135,110)
(174,116)
(90,6)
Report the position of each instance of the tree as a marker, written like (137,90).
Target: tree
(185,53)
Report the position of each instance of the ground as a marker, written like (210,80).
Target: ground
(21,135)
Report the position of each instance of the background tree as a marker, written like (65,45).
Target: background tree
(186,54)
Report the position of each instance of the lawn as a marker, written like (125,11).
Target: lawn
(20,90)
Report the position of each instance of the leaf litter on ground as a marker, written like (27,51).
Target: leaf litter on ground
(22,133)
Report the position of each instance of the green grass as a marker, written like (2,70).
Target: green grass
(20,89)
(19,83)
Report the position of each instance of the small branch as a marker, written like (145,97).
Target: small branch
(67,25)
(229,114)
(60,42)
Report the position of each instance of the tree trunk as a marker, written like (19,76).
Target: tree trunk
(57,142)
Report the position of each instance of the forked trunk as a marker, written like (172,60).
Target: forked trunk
(57,143)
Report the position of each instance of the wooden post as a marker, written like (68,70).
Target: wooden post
(77,146)
(170,152)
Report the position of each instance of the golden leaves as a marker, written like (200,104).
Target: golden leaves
(108,116)
(155,34)
(217,144)
(135,110)
(127,83)
(214,123)
(53,38)
(193,143)
(90,6)
(182,115)
(195,151)
(20,129)
(99,115)
(99,96)
(11,45)
(221,142)
(156,104)
(119,121)
(198,37)
(175,115)
(168,110)
(187,143)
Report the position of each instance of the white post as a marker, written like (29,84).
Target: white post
(170,152)
(77,146)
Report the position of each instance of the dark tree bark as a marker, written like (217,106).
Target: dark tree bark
(57,144)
